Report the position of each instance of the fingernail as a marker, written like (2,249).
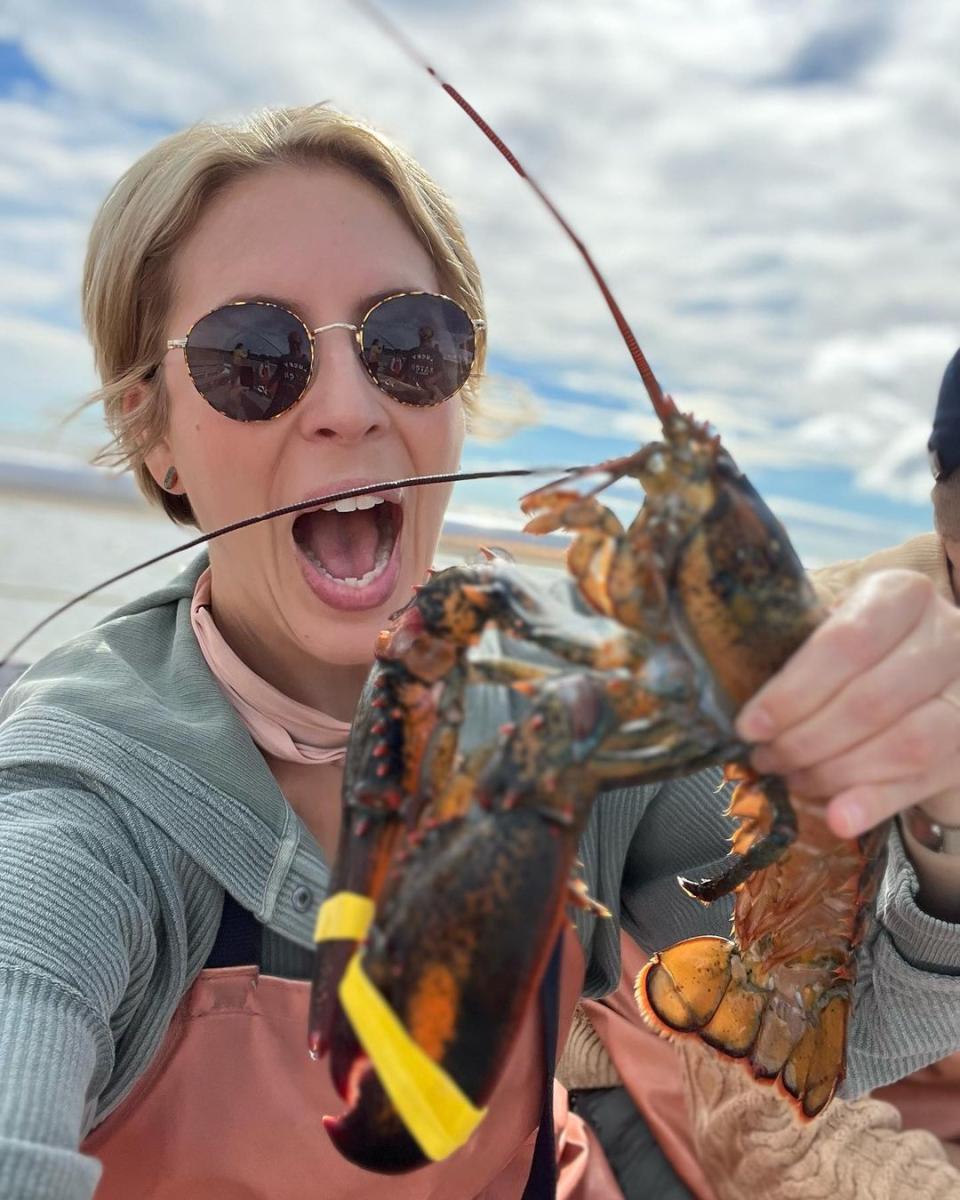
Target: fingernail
(755,724)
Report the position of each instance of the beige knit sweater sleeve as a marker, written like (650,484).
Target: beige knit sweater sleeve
(585,1062)
(751,1144)
(923,554)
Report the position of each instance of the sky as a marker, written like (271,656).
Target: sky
(771,189)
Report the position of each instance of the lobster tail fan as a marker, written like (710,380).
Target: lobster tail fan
(702,988)
(815,1069)
(680,990)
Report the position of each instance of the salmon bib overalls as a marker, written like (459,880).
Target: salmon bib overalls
(230,1108)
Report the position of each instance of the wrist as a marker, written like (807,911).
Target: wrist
(931,831)
(938,873)
(943,808)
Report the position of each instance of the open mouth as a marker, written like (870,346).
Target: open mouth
(349,550)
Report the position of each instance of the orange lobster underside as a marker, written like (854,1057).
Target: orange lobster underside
(778,997)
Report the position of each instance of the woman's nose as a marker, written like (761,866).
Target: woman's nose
(342,403)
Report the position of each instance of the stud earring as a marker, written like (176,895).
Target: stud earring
(170,479)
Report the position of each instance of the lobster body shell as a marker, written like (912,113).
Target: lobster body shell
(739,590)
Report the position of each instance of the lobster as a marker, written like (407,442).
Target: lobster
(423,972)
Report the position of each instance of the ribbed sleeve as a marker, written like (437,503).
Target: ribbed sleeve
(279,956)
(907,1006)
(50,1046)
(923,941)
(77,953)
(685,831)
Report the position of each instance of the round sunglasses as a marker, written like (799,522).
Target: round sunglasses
(252,360)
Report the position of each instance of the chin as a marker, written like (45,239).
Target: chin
(346,636)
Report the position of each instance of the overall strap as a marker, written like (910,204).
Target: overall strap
(542,1182)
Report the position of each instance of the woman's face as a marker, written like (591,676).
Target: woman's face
(324,243)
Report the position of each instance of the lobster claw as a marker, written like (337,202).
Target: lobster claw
(343,921)
(327,1025)
(371,1134)
(372,825)
(438,993)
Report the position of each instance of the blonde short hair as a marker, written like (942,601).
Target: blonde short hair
(150,211)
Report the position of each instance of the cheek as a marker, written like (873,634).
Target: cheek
(437,441)
(222,467)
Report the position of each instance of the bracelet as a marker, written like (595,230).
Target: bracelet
(941,839)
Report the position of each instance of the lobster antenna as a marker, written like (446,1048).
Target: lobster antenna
(390,485)
(661,405)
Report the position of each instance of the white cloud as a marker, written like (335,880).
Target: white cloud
(785,250)
(47,371)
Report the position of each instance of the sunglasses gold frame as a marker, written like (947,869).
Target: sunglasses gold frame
(181,344)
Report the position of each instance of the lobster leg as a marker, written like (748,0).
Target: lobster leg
(508,671)
(620,574)
(769,802)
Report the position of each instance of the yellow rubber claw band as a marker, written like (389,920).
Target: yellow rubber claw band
(437,1114)
(345,915)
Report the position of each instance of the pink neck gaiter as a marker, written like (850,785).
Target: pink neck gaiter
(282,727)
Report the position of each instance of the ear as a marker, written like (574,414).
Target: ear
(159,459)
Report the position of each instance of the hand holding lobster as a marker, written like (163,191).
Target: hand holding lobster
(866,712)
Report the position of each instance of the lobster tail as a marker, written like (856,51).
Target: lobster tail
(702,987)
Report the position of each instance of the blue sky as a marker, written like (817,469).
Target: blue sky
(18,75)
(771,187)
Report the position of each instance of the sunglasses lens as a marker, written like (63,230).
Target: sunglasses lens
(419,349)
(249,361)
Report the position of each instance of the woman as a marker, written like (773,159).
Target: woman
(177,768)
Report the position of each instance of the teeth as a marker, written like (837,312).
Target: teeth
(381,559)
(352,503)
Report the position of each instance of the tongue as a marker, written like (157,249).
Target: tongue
(345,544)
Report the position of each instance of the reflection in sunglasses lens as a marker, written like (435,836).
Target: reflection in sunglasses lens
(249,361)
(419,349)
